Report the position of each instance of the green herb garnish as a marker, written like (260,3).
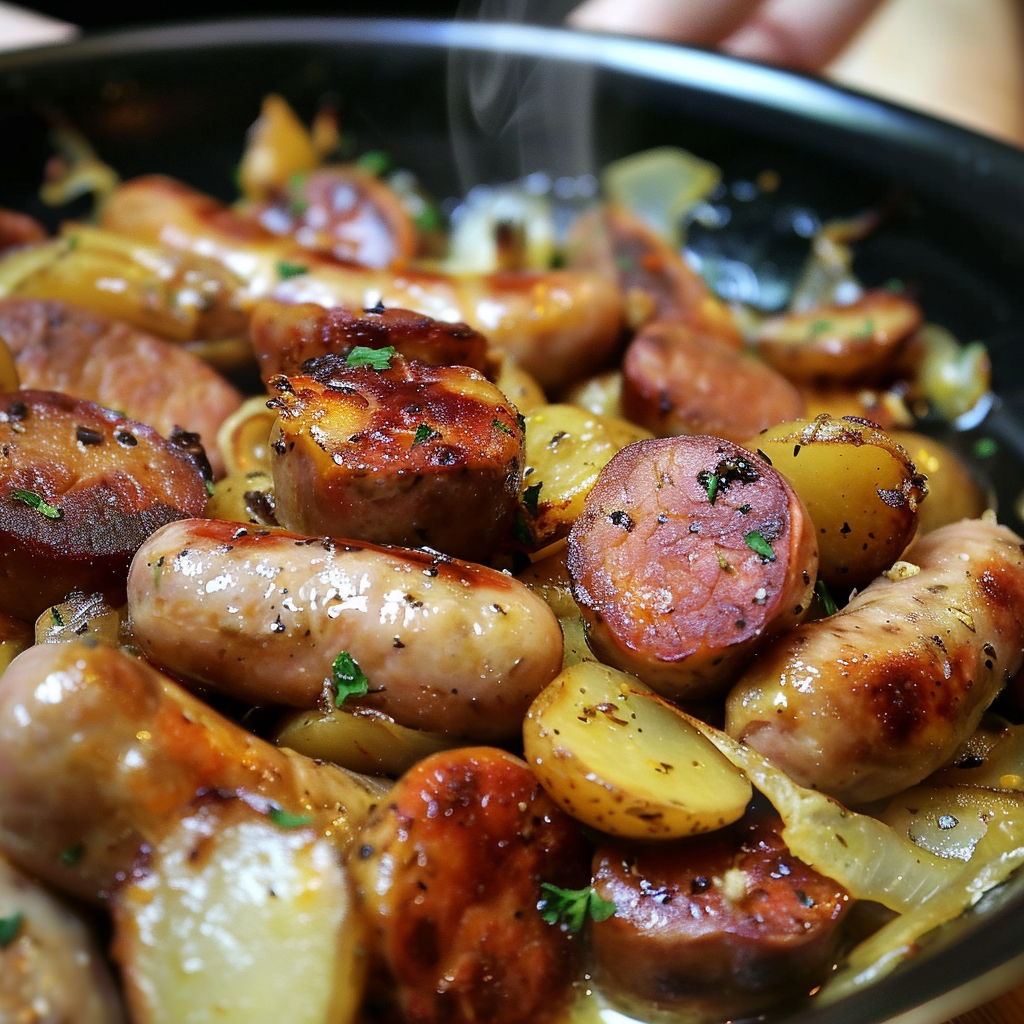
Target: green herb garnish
(756,542)
(570,908)
(210,489)
(376,161)
(521,530)
(430,218)
(55,616)
(503,427)
(286,269)
(985,447)
(709,481)
(283,819)
(819,327)
(424,433)
(9,929)
(39,504)
(821,589)
(375,358)
(72,855)
(347,679)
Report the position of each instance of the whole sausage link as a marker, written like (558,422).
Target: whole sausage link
(445,645)
(98,750)
(871,700)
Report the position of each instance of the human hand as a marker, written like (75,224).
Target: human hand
(805,34)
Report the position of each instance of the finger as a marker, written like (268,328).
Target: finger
(698,22)
(804,34)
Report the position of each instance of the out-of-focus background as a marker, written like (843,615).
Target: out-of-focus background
(962,60)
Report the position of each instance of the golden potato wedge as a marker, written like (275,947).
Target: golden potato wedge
(360,739)
(566,448)
(600,394)
(83,615)
(953,491)
(243,497)
(244,437)
(278,146)
(175,295)
(239,915)
(519,387)
(620,759)
(860,487)
(848,343)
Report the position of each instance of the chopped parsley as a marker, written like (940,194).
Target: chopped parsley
(9,928)
(38,503)
(709,481)
(503,427)
(756,542)
(867,330)
(283,819)
(821,589)
(570,908)
(521,530)
(430,218)
(55,616)
(530,498)
(287,269)
(985,447)
(210,489)
(424,432)
(347,679)
(375,358)
(819,327)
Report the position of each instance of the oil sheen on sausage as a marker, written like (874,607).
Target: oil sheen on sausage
(871,700)
(446,646)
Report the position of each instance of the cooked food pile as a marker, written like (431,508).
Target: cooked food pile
(448,619)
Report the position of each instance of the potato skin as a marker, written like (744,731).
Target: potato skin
(860,488)
(285,335)
(109,483)
(261,615)
(677,380)
(869,701)
(98,749)
(413,455)
(681,937)
(58,347)
(665,574)
(448,876)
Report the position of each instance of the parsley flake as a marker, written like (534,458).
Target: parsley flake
(347,678)
(55,617)
(9,928)
(756,542)
(570,908)
(530,498)
(283,819)
(72,855)
(375,358)
(287,269)
(985,447)
(521,531)
(819,327)
(424,432)
(709,481)
(503,427)
(376,161)
(38,503)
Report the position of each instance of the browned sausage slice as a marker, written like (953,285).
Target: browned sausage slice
(285,335)
(677,380)
(81,487)
(727,923)
(58,347)
(448,874)
(690,553)
(401,453)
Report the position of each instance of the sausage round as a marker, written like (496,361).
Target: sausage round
(677,380)
(80,488)
(448,875)
(871,700)
(726,924)
(690,553)
(444,645)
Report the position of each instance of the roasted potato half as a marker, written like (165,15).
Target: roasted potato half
(620,759)
(566,448)
(239,915)
(861,488)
